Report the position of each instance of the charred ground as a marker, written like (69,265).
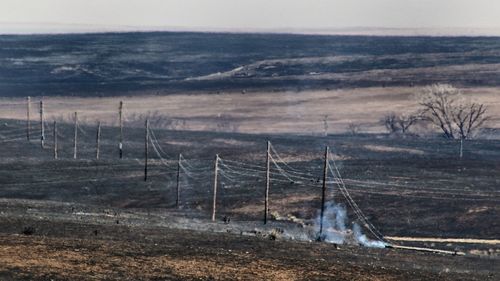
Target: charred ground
(166,62)
(70,216)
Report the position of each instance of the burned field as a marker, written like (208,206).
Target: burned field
(173,62)
(100,216)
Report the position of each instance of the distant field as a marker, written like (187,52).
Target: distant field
(256,112)
(163,62)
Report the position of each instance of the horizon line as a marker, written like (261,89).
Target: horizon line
(61,29)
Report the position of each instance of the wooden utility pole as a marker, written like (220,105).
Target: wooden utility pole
(214,203)
(323,192)
(55,140)
(75,136)
(98,140)
(28,120)
(266,198)
(120,114)
(42,129)
(461,147)
(146,150)
(177,198)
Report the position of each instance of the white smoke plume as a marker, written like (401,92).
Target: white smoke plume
(336,230)
(363,240)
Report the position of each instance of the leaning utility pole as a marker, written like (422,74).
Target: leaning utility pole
(75,136)
(120,114)
(98,140)
(216,169)
(266,198)
(55,140)
(177,198)
(42,129)
(28,121)
(323,193)
(146,150)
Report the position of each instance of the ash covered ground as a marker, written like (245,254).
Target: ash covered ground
(65,218)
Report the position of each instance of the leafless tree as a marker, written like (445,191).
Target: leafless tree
(390,122)
(353,128)
(405,121)
(457,117)
(225,123)
(396,123)
(469,117)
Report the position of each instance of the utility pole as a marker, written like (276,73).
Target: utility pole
(177,199)
(461,147)
(120,114)
(325,125)
(28,121)
(55,140)
(323,193)
(146,150)
(75,137)
(216,169)
(266,198)
(42,129)
(98,140)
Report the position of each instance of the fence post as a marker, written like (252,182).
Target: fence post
(28,121)
(266,198)
(214,203)
(323,192)
(120,114)
(55,140)
(177,198)
(75,136)
(42,129)
(98,140)
(146,150)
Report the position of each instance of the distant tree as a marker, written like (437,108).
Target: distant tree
(401,123)
(446,107)
(353,128)
(225,123)
(405,121)
(390,122)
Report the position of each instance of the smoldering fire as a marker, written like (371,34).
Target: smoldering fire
(336,230)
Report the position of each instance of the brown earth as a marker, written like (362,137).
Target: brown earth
(148,253)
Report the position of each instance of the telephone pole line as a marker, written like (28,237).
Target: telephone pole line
(146,150)
(266,198)
(75,136)
(28,120)
(216,169)
(98,140)
(323,191)
(42,129)
(120,114)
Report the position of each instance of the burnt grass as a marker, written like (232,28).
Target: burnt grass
(406,186)
(151,62)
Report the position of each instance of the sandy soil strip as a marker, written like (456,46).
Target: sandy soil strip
(444,240)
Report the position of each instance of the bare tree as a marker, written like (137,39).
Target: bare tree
(390,122)
(353,128)
(445,107)
(405,121)
(395,123)
(469,117)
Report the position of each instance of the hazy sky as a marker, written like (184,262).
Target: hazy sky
(255,14)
